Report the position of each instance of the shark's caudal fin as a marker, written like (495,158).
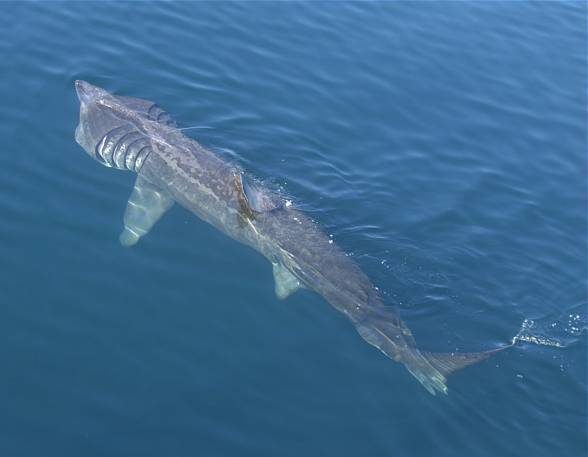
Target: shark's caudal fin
(385,331)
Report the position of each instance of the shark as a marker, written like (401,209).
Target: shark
(137,135)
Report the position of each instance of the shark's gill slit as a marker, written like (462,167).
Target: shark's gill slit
(122,146)
(105,147)
(153,107)
(133,151)
(140,159)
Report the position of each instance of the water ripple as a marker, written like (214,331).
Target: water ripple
(443,147)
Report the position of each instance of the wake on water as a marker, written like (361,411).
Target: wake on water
(532,332)
(527,335)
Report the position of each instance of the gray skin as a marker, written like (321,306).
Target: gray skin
(136,135)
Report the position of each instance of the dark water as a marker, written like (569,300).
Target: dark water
(443,145)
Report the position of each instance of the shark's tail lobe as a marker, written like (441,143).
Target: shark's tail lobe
(449,362)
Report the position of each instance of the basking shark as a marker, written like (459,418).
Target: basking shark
(137,135)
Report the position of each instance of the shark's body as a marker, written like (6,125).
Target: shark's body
(134,134)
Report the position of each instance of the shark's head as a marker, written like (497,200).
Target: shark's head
(96,120)
(87,92)
(113,129)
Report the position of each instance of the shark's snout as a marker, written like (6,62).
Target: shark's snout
(84,90)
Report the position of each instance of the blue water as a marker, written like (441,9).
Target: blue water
(443,145)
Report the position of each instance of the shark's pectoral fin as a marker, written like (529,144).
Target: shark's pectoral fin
(447,363)
(286,282)
(145,207)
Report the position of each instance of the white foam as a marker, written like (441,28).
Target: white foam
(527,335)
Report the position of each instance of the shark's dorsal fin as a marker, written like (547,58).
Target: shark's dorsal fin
(259,199)
(286,282)
(253,198)
(145,207)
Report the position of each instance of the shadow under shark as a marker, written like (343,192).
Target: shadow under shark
(137,135)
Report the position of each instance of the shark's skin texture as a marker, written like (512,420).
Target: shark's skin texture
(136,135)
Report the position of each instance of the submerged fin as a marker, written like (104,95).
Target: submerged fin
(384,330)
(145,207)
(286,282)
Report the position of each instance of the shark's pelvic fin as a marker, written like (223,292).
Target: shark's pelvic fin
(145,207)
(286,282)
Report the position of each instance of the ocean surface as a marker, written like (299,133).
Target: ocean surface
(443,145)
